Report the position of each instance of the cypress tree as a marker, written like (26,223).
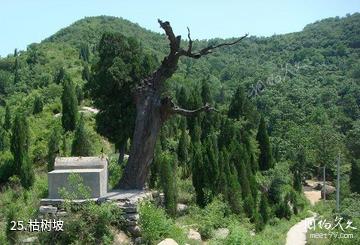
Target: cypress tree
(193,122)
(81,145)
(264,209)
(355,176)
(7,121)
(84,52)
(239,104)
(38,105)
(16,71)
(168,182)
(69,106)
(155,166)
(241,107)
(297,181)
(79,94)
(182,97)
(227,133)
(4,139)
(53,148)
(198,177)
(223,184)
(265,158)
(20,149)
(182,150)
(238,159)
(210,158)
(233,189)
(85,73)
(64,145)
(205,92)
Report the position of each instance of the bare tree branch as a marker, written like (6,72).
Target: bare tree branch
(168,108)
(175,43)
(207,50)
(190,42)
(174,40)
(189,113)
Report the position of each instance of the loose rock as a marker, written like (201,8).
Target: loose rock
(181,208)
(221,233)
(194,235)
(168,241)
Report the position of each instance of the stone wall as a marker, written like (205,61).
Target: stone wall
(127,200)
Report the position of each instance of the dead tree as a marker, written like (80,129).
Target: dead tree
(152,110)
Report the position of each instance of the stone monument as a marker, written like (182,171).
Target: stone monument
(93,170)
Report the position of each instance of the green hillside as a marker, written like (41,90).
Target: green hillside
(306,86)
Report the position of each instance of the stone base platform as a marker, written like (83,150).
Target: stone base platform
(127,200)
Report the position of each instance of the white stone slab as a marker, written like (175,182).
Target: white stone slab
(80,162)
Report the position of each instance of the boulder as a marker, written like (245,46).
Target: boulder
(30,240)
(194,235)
(181,208)
(121,238)
(131,216)
(328,190)
(134,231)
(221,233)
(168,241)
(138,240)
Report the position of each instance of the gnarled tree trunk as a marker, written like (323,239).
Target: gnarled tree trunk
(152,110)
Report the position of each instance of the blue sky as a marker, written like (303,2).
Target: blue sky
(26,21)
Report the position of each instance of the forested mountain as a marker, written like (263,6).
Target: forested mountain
(295,100)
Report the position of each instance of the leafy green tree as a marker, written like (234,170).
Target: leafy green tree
(355,176)
(20,150)
(352,140)
(53,148)
(69,106)
(168,182)
(38,105)
(81,145)
(265,158)
(120,67)
(327,144)
(60,75)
